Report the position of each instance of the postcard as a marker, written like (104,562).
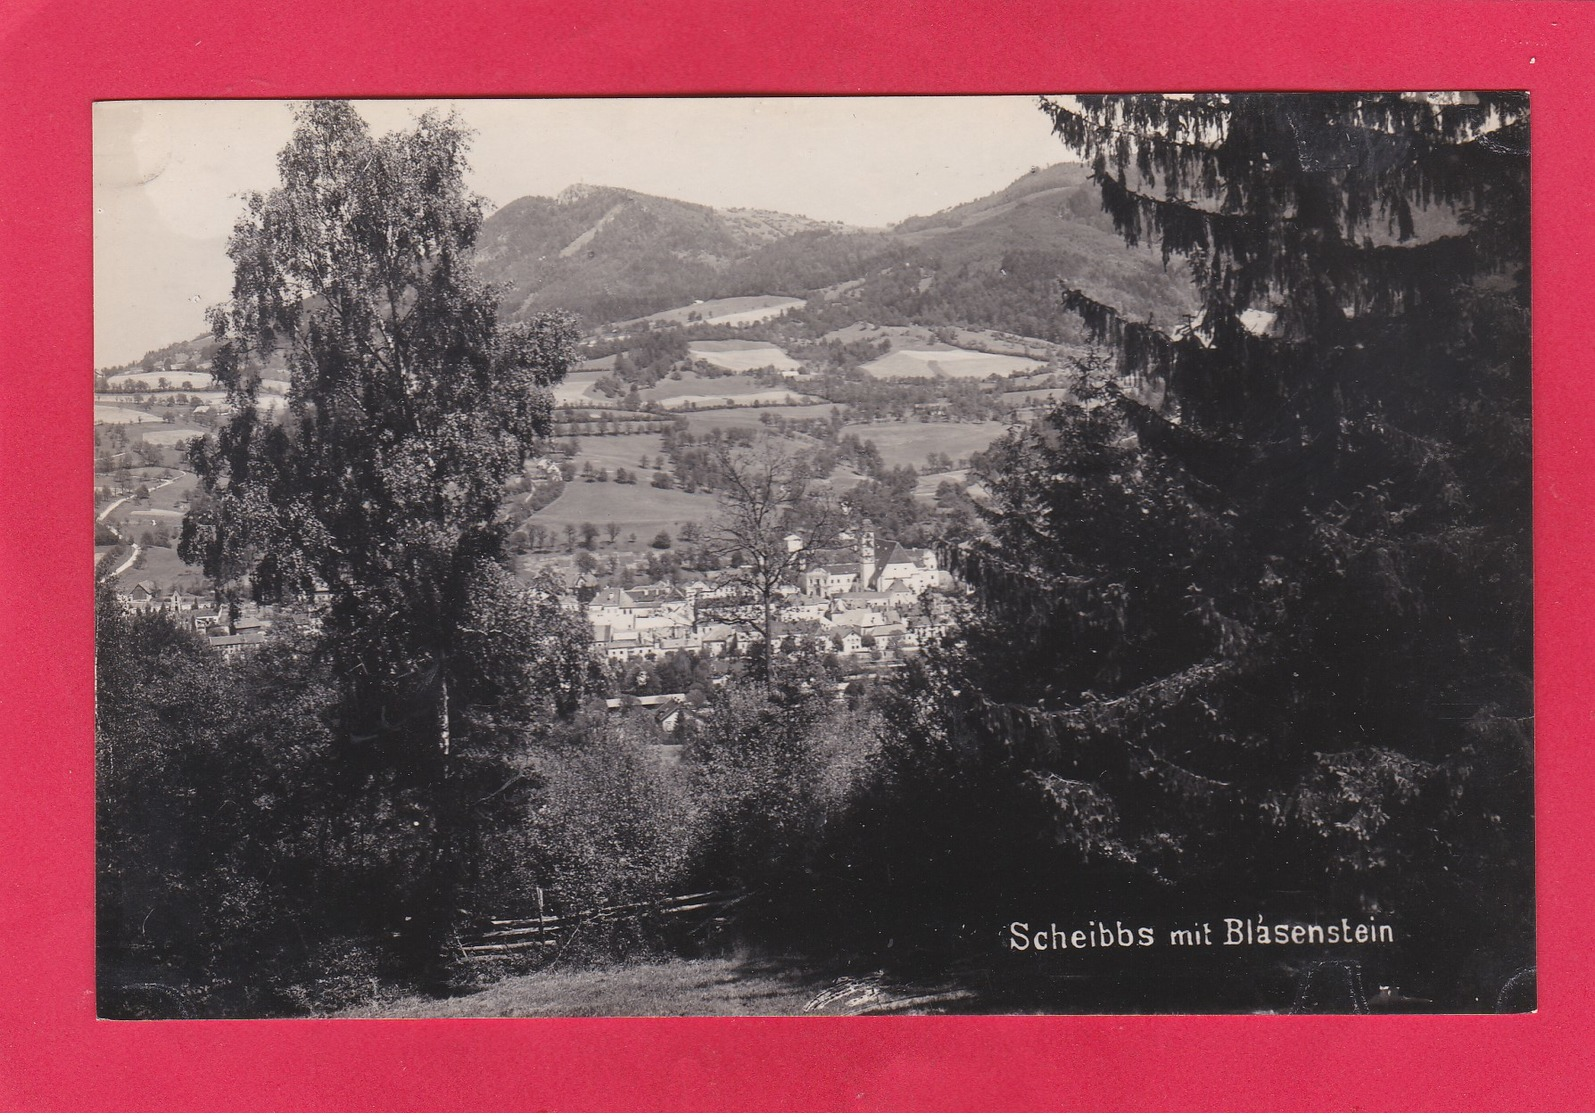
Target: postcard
(1054,555)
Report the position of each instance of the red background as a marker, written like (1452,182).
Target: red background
(56,58)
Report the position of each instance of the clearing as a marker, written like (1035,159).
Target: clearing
(912,443)
(729,418)
(741,310)
(950,362)
(112,415)
(619,451)
(176,380)
(577,387)
(162,566)
(171,436)
(638,508)
(743,356)
(692,392)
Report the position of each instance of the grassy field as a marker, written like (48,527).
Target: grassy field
(1034,396)
(113,415)
(912,443)
(162,566)
(137,520)
(946,361)
(577,387)
(927,485)
(719,391)
(639,508)
(175,381)
(175,495)
(741,356)
(171,435)
(740,310)
(619,451)
(727,418)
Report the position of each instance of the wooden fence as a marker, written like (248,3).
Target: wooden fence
(516,936)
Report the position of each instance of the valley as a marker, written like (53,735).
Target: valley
(889,358)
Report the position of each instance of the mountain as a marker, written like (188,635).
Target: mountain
(610,254)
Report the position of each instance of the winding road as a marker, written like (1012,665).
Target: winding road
(137,549)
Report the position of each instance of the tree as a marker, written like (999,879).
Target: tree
(661,541)
(411,404)
(611,530)
(1265,585)
(765,500)
(589,535)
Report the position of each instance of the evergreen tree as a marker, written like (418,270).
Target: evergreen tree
(1253,619)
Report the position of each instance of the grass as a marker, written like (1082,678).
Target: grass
(639,508)
(179,492)
(619,451)
(198,381)
(171,436)
(912,443)
(1033,396)
(730,418)
(681,987)
(162,566)
(675,988)
(740,310)
(741,356)
(577,387)
(718,391)
(112,415)
(927,485)
(955,364)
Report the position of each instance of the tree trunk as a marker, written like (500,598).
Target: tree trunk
(443,712)
(769,641)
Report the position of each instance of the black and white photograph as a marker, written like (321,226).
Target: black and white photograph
(813,556)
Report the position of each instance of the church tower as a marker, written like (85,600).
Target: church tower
(866,558)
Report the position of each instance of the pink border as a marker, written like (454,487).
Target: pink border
(55,58)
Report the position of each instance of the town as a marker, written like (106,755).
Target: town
(847,599)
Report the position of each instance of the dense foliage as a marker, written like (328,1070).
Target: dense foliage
(1253,616)
(410,406)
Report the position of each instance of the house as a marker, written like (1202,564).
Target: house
(887,635)
(858,618)
(142,597)
(898,593)
(179,602)
(830,579)
(803,608)
(613,606)
(916,568)
(624,649)
(232,647)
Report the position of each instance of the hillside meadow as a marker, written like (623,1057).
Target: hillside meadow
(912,443)
(639,508)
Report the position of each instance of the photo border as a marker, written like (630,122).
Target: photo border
(57,58)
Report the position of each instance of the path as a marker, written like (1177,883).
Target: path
(128,563)
(111,507)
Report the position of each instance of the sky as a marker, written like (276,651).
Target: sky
(168,175)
